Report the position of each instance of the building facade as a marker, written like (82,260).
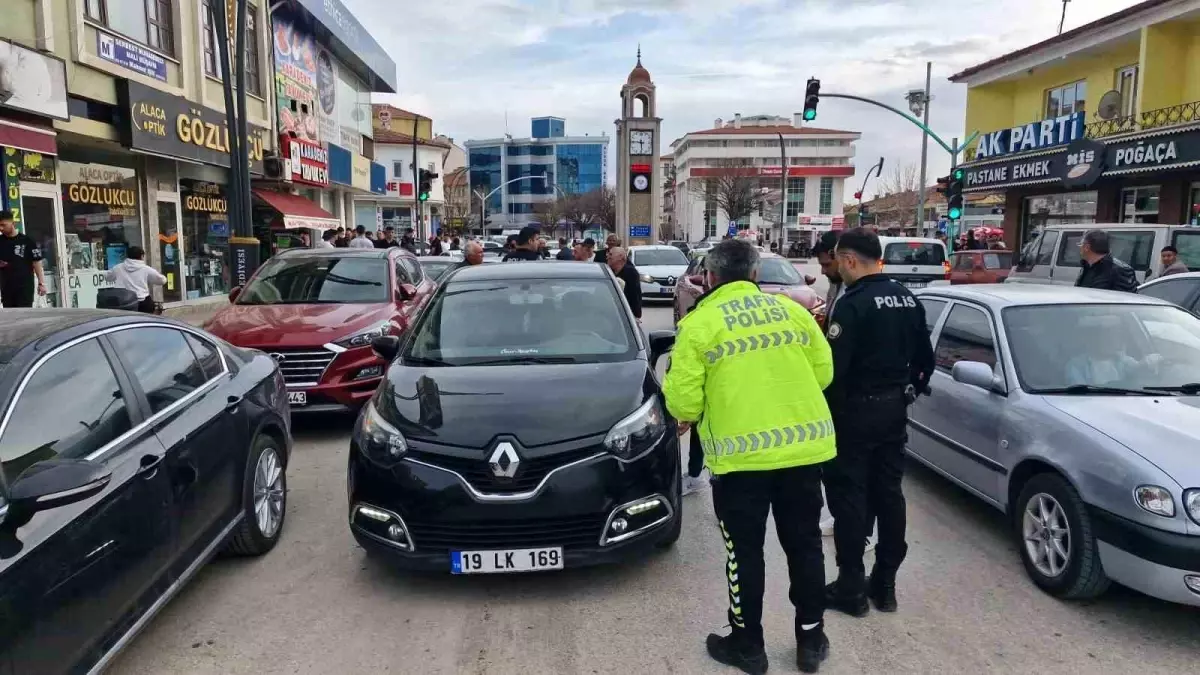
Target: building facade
(639,174)
(1098,124)
(518,175)
(118,133)
(818,162)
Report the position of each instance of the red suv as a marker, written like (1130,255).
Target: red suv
(980,266)
(775,275)
(315,311)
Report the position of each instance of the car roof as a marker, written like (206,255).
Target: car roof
(923,240)
(547,269)
(437,258)
(652,247)
(337,252)
(20,328)
(999,296)
(1177,275)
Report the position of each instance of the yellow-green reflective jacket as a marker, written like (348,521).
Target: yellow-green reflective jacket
(752,368)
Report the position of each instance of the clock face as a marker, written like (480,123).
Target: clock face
(641,142)
(641,182)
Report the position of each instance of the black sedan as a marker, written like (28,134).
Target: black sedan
(133,448)
(519,428)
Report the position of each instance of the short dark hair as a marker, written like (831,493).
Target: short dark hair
(862,242)
(360,229)
(589,243)
(389,228)
(827,243)
(1170,249)
(136,252)
(329,234)
(6,215)
(732,260)
(562,241)
(1097,240)
(526,234)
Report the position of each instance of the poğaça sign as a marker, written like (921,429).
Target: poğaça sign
(175,127)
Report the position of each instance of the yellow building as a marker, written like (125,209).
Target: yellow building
(1098,124)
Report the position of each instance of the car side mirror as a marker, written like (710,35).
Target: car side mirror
(386,347)
(406,292)
(978,374)
(234,293)
(56,482)
(661,342)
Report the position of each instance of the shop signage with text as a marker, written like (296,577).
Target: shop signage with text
(1047,133)
(308,162)
(175,127)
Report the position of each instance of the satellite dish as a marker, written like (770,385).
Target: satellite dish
(1110,105)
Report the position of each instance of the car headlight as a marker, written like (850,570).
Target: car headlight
(379,440)
(363,337)
(647,279)
(1156,500)
(1191,504)
(632,437)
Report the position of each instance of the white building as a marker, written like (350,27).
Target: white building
(395,209)
(818,163)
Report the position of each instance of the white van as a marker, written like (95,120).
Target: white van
(1052,257)
(914,261)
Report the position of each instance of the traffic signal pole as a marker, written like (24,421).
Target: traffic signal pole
(953,226)
(953,150)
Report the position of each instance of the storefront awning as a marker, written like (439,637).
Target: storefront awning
(27,137)
(298,212)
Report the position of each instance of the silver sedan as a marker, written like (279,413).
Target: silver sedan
(1076,412)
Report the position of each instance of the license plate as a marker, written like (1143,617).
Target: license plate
(499,562)
(668,290)
(298,398)
(916,284)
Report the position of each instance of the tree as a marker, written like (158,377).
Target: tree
(736,189)
(602,202)
(580,212)
(900,188)
(551,215)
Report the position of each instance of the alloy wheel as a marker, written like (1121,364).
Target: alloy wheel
(268,492)
(1047,535)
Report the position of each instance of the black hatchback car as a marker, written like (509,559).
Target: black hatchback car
(519,428)
(132,448)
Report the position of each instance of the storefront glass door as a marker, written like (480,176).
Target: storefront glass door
(40,219)
(1193,212)
(168,249)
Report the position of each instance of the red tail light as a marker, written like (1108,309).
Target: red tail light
(946,268)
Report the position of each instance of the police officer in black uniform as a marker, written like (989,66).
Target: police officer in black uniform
(882,359)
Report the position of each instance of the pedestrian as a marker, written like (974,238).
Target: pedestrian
(305,240)
(611,241)
(1099,269)
(455,244)
(435,245)
(388,239)
(618,262)
(408,241)
(825,252)
(585,251)
(882,360)
(327,238)
(525,246)
(342,240)
(766,431)
(360,239)
(1171,264)
(20,263)
(564,251)
(472,255)
(133,274)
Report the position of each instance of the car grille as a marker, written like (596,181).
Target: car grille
(665,281)
(478,472)
(568,532)
(302,367)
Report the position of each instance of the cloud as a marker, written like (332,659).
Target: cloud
(473,64)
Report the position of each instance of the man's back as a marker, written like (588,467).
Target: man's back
(1109,274)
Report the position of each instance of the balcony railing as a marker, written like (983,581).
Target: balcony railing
(1150,119)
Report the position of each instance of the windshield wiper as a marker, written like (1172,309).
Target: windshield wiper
(525,359)
(426,361)
(1189,389)
(1093,389)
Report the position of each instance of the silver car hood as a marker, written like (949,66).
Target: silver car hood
(663,270)
(1165,430)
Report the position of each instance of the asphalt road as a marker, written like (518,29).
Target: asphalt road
(317,605)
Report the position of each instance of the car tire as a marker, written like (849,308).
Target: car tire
(261,482)
(1082,576)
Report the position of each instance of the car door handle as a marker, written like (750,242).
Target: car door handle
(148,465)
(232,403)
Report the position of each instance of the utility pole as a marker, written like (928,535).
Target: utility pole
(416,202)
(244,252)
(783,179)
(952,226)
(918,102)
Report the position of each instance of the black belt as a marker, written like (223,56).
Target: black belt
(876,395)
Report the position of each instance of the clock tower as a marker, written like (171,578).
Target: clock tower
(639,185)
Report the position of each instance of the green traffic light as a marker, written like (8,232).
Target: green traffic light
(958,174)
(954,213)
(424,196)
(810,115)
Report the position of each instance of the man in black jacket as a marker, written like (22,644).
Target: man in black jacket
(526,246)
(1099,269)
(618,262)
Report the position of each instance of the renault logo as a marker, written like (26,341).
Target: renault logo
(670,281)
(504,461)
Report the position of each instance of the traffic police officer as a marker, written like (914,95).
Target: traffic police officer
(751,367)
(882,357)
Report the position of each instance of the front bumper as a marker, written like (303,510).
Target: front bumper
(342,387)
(657,291)
(1155,562)
(571,507)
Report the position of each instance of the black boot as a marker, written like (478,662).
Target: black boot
(731,651)
(811,649)
(882,589)
(855,605)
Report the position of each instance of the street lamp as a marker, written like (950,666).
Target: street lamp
(483,198)
(918,103)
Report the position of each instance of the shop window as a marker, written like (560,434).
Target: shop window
(1139,204)
(1068,208)
(100,220)
(1066,99)
(1193,212)
(205,238)
(212,58)
(168,251)
(147,21)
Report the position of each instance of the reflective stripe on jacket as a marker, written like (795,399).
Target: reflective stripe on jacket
(752,368)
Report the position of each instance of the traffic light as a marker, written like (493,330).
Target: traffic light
(424,184)
(858,195)
(943,185)
(954,195)
(863,213)
(812,96)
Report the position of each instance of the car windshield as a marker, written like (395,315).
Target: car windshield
(659,256)
(291,280)
(523,321)
(779,271)
(1140,348)
(914,253)
(436,268)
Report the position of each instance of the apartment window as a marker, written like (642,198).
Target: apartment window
(1140,204)
(398,170)
(770,161)
(795,198)
(1066,99)
(212,58)
(146,21)
(825,207)
(1126,83)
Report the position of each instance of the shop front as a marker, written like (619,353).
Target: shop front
(1147,177)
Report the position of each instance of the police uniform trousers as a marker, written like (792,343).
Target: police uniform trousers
(742,500)
(863,485)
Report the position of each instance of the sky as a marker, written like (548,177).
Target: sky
(471,65)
